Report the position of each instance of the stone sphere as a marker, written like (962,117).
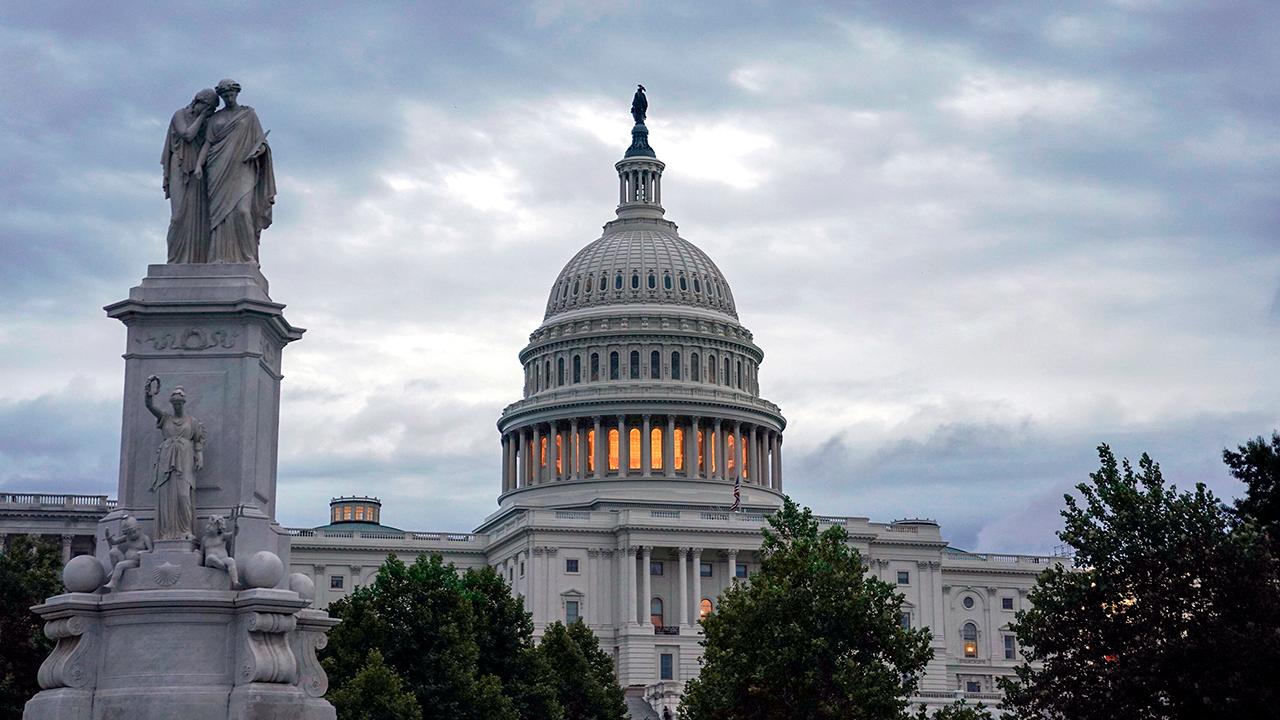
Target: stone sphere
(303,585)
(263,570)
(83,574)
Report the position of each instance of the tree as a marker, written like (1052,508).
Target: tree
(504,636)
(30,572)
(376,692)
(1257,465)
(584,682)
(420,617)
(810,636)
(958,710)
(1170,611)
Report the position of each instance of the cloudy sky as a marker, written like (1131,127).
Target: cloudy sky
(974,240)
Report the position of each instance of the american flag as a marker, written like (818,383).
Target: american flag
(737,494)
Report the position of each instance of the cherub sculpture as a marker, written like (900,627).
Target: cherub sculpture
(216,553)
(125,548)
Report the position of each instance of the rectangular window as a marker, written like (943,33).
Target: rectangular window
(678,448)
(335,582)
(571,565)
(704,569)
(666,666)
(904,577)
(570,612)
(1006,603)
(655,567)
(972,686)
(1010,648)
(521,568)
(740,571)
(904,619)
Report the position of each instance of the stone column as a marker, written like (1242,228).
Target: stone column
(708,450)
(647,581)
(753,467)
(534,598)
(624,447)
(506,463)
(646,445)
(766,476)
(66,548)
(622,585)
(576,458)
(555,460)
(721,472)
(773,459)
(536,459)
(601,443)
(778,477)
(684,585)
(696,565)
(669,447)
(631,584)
(691,449)
(733,565)
(738,452)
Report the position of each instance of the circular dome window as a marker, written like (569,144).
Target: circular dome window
(967,602)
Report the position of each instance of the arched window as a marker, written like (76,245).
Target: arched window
(697,285)
(675,365)
(702,465)
(704,608)
(591,451)
(684,284)
(559,372)
(617,281)
(666,282)
(970,635)
(542,455)
(589,280)
(655,365)
(726,373)
(655,449)
(635,281)
(613,449)
(546,375)
(635,365)
(559,453)
(730,443)
(711,368)
(695,368)
(739,373)
(595,367)
(613,365)
(677,444)
(655,611)
(633,452)
(577,369)
(575,288)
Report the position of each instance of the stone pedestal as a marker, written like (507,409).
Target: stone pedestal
(173,638)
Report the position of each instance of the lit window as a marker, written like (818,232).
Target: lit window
(715,449)
(655,611)
(675,366)
(704,608)
(633,462)
(731,451)
(370,514)
(337,514)
(972,686)
(967,602)
(740,571)
(655,567)
(335,582)
(359,512)
(571,565)
(1006,603)
(904,577)
(704,569)
(678,444)
(542,460)
(613,449)
(591,451)
(970,635)
(634,370)
(666,667)
(346,513)
(1010,648)
(904,619)
(559,454)
(571,611)
(655,452)
(701,463)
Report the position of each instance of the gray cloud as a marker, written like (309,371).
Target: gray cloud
(974,240)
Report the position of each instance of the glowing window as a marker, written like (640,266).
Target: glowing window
(675,366)
(702,465)
(633,462)
(577,369)
(613,449)
(543,455)
(346,513)
(591,451)
(970,635)
(655,452)
(655,365)
(655,611)
(359,512)
(678,443)
(704,608)
(559,454)
(613,366)
(595,367)
(337,513)
(730,452)
(715,440)
(369,513)
(743,455)
(635,365)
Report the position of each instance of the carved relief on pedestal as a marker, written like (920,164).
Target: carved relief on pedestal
(191,340)
(311,676)
(69,664)
(268,658)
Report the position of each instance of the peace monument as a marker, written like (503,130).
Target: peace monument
(185,610)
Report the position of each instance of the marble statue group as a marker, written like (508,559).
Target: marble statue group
(218,179)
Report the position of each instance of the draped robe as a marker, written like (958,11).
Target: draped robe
(188,239)
(175,476)
(242,186)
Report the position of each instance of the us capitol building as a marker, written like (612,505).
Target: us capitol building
(642,410)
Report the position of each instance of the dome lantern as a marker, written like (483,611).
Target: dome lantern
(640,170)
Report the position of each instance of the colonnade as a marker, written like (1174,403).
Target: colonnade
(689,566)
(619,446)
(640,185)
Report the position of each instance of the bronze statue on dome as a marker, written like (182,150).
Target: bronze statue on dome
(639,105)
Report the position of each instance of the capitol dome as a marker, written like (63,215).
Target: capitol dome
(641,385)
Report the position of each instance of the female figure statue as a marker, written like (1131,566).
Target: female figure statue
(236,160)
(188,201)
(179,457)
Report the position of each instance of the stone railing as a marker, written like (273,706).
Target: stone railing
(1006,559)
(60,502)
(950,695)
(641,390)
(376,535)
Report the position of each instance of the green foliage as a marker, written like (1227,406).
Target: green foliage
(584,681)
(1171,609)
(376,692)
(1257,465)
(958,710)
(30,572)
(810,636)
